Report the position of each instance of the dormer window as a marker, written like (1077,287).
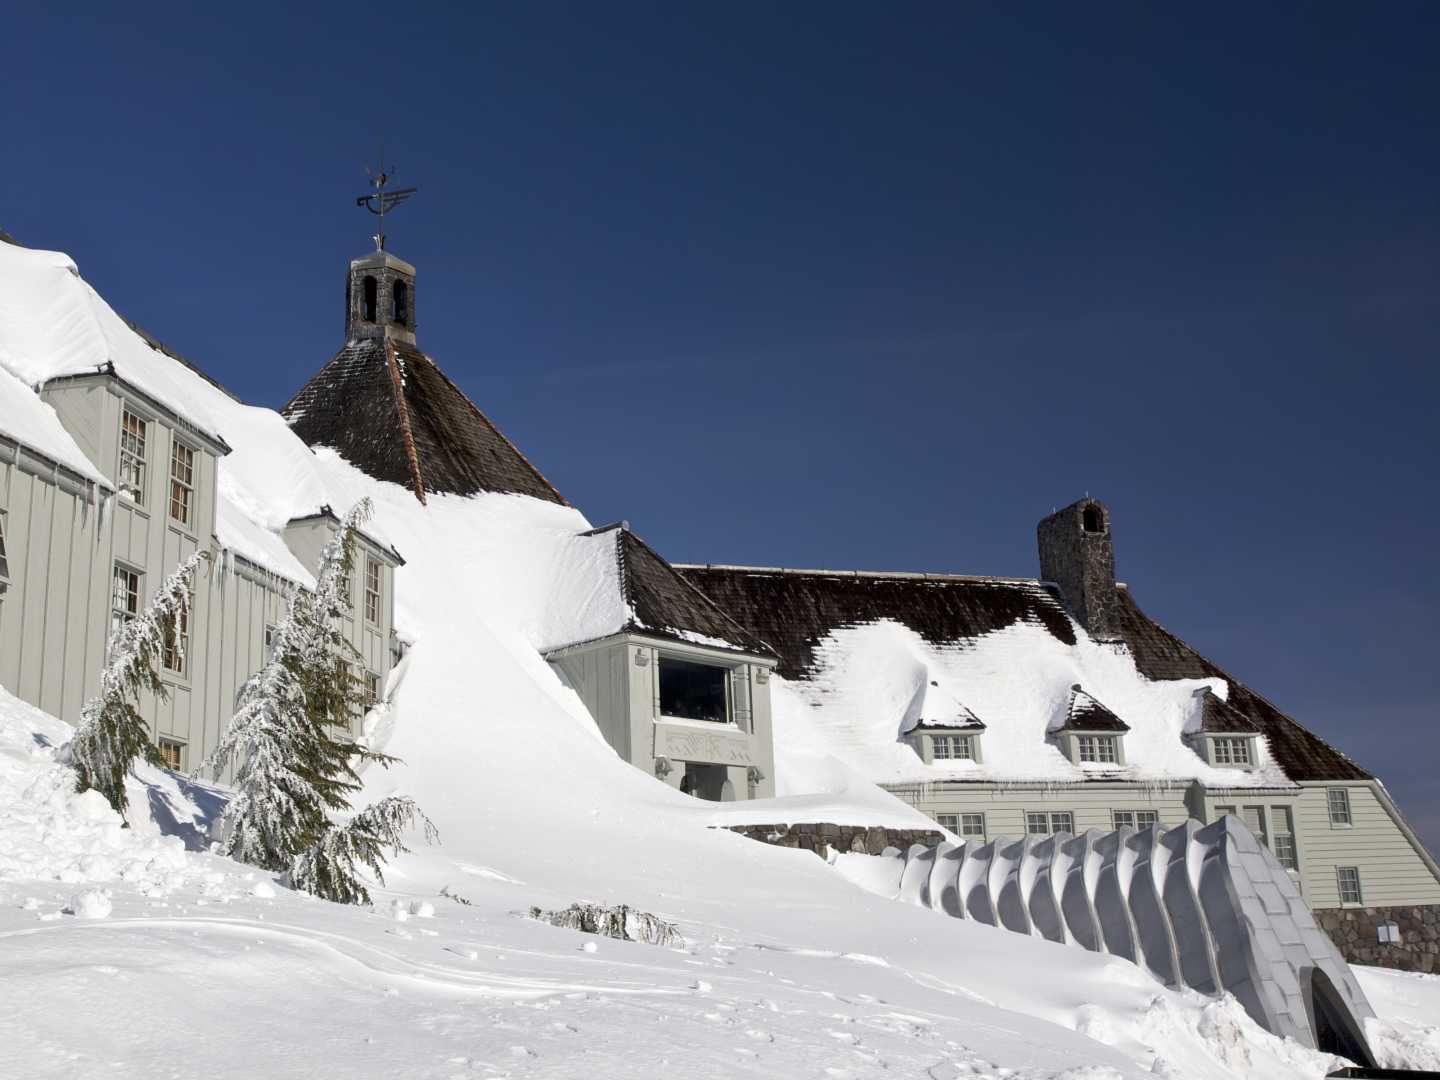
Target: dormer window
(1098,749)
(692,691)
(952,748)
(1231,752)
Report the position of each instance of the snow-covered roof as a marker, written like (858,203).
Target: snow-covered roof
(27,420)
(871,656)
(650,597)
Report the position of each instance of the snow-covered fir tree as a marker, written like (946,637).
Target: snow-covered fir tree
(291,768)
(331,868)
(111,733)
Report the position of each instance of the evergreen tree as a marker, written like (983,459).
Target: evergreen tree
(330,868)
(111,733)
(291,768)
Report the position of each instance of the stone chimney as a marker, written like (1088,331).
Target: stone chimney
(380,298)
(1077,555)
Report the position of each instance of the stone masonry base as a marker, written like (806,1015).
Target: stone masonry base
(1356,933)
(816,837)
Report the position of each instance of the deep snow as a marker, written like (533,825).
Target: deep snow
(135,952)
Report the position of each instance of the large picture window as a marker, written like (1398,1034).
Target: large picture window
(692,691)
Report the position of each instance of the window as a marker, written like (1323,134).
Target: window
(177,642)
(372,690)
(4,559)
(1388,933)
(972,826)
(1134,819)
(272,641)
(1221,811)
(1254,818)
(124,597)
(1339,801)
(1347,878)
(951,747)
(182,482)
(1041,822)
(1283,843)
(372,590)
(1231,751)
(400,303)
(172,753)
(370,293)
(949,821)
(1092,520)
(132,455)
(692,691)
(1100,749)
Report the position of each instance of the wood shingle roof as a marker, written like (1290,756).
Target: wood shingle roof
(794,610)
(388,409)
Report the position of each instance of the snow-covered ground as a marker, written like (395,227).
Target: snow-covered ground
(134,952)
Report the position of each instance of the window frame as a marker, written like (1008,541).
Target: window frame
(967,835)
(949,821)
(1134,816)
(1222,751)
(958,747)
(140,458)
(118,615)
(1284,844)
(370,683)
(1111,742)
(4,550)
(179,745)
(1050,817)
(373,567)
(175,649)
(1340,882)
(188,486)
(1346,818)
(727,679)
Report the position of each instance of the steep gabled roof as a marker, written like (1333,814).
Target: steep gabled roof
(389,410)
(663,603)
(1219,717)
(1088,714)
(1159,654)
(793,610)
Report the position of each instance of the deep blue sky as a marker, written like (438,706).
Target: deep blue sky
(843,285)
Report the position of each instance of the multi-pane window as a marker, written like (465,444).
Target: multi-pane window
(1231,751)
(1347,878)
(4,559)
(949,821)
(132,455)
(1339,801)
(952,748)
(124,596)
(1100,749)
(1254,818)
(1135,819)
(372,590)
(972,825)
(1053,821)
(177,642)
(172,753)
(272,641)
(1283,844)
(372,690)
(182,482)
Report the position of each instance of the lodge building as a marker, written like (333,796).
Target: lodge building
(1025,706)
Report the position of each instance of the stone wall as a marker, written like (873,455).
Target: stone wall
(817,836)
(1356,933)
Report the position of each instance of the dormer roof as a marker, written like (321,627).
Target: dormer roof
(1088,714)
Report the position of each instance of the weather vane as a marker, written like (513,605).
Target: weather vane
(382,201)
